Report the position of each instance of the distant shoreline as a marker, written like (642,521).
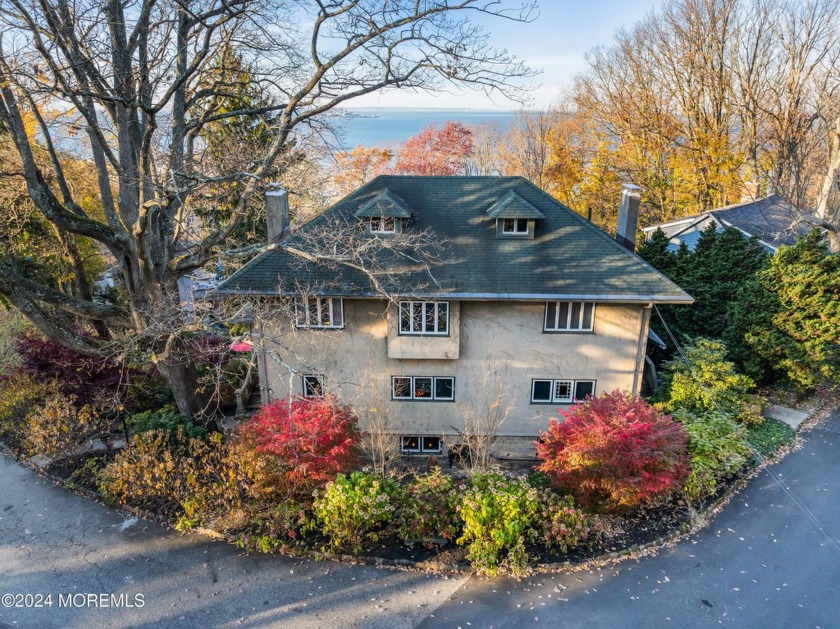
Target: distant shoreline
(390,126)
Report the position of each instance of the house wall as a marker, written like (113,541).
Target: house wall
(501,347)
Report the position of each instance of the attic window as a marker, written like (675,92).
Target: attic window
(383,225)
(515,226)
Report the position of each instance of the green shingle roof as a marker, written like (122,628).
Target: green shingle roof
(568,258)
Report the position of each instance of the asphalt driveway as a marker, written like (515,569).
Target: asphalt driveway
(761,563)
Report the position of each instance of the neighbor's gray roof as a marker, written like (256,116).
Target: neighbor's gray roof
(569,258)
(769,219)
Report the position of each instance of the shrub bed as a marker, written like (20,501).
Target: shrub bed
(615,453)
(357,509)
(768,437)
(248,486)
(717,450)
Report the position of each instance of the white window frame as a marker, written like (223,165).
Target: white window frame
(318,379)
(413,398)
(381,222)
(555,399)
(516,223)
(423,331)
(565,326)
(302,313)
(421,447)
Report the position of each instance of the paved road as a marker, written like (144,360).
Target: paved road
(761,564)
(52,541)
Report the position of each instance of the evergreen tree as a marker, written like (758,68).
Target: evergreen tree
(752,313)
(803,335)
(716,274)
(655,251)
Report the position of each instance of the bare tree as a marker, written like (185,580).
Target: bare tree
(526,149)
(134,88)
(483,416)
(380,436)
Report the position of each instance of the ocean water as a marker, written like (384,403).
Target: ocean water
(391,126)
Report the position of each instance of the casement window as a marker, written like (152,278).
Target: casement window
(514,225)
(423,388)
(415,444)
(569,316)
(313,386)
(561,391)
(424,317)
(319,312)
(383,225)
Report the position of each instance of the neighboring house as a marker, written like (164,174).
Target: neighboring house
(768,219)
(531,305)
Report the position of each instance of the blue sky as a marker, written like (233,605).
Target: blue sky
(555,42)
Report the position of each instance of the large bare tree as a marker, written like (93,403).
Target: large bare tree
(133,85)
(705,99)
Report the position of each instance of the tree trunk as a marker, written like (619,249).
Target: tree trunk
(182,377)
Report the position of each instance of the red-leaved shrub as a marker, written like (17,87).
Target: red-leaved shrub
(614,452)
(77,376)
(316,440)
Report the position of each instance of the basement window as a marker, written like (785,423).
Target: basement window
(319,312)
(561,391)
(313,386)
(416,444)
(569,316)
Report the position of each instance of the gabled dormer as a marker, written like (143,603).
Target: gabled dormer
(515,217)
(386,213)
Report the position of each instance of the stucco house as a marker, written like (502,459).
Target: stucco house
(771,219)
(528,304)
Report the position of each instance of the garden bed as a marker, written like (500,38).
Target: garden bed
(617,535)
(514,523)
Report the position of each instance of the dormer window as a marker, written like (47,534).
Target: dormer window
(515,226)
(385,213)
(383,225)
(515,216)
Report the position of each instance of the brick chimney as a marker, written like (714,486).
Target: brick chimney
(276,212)
(628,216)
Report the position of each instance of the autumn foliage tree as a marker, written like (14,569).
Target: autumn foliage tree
(614,452)
(442,151)
(355,168)
(314,438)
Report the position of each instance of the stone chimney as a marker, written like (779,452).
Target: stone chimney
(628,216)
(276,212)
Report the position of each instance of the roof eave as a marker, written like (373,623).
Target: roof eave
(685,298)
